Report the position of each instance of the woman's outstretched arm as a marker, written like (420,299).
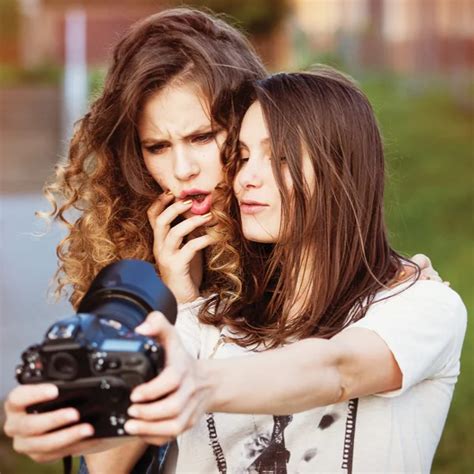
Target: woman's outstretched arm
(382,357)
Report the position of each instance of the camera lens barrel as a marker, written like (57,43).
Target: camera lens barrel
(127,291)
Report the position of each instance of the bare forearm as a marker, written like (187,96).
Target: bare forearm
(120,459)
(295,378)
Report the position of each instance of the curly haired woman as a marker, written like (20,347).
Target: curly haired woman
(152,140)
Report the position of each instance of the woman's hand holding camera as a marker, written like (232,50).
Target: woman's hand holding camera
(173,401)
(178,259)
(32,434)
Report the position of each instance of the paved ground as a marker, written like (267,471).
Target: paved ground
(27,265)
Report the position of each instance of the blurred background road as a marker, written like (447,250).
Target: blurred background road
(413,58)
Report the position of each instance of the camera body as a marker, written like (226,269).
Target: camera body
(94,357)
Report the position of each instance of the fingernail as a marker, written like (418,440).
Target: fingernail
(51,391)
(188,202)
(136,397)
(168,193)
(131,427)
(133,411)
(144,327)
(86,431)
(72,416)
(206,216)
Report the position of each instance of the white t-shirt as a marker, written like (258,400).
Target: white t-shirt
(396,431)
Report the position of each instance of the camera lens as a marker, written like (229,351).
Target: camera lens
(63,366)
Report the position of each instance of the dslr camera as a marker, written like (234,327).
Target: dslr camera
(94,357)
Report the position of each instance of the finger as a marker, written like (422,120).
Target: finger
(189,249)
(76,449)
(24,395)
(157,325)
(165,428)
(168,381)
(158,207)
(164,220)
(55,441)
(421,260)
(169,407)
(37,424)
(181,230)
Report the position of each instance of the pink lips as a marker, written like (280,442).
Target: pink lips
(251,207)
(202,200)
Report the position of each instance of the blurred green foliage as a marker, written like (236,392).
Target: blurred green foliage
(429,142)
(11,75)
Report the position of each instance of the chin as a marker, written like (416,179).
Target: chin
(258,236)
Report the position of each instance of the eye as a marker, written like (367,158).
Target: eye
(281,159)
(243,157)
(203,138)
(157,148)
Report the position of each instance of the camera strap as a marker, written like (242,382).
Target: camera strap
(67,464)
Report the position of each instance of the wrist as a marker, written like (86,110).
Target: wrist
(210,381)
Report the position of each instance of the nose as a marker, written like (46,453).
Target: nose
(250,175)
(185,166)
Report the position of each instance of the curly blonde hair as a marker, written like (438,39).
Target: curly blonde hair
(103,190)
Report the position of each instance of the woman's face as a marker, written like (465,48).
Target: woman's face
(180,147)
(255,186)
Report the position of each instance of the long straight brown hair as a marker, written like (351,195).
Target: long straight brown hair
(334,230)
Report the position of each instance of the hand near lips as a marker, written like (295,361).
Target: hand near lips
(179,261)
(173,401)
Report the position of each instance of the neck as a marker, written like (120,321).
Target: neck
(304,279)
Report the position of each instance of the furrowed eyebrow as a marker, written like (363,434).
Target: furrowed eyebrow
(152,141)
(198,131)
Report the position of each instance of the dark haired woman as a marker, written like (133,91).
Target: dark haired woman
(315,364)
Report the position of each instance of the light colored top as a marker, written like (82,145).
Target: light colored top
(397,431)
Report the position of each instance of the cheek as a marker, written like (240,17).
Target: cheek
(158,171)
(236,186)
(211,161)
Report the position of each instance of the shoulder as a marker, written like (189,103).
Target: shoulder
(423,325)
(423,299)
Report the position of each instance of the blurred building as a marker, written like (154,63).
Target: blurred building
(43,24)
(401,35)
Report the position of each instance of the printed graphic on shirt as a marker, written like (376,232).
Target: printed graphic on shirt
(275,456)
(266,450)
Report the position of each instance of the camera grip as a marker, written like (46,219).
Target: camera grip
(101,401)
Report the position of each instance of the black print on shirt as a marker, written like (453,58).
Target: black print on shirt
(215,445)
(275,456)
(349,436)
(327,420)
